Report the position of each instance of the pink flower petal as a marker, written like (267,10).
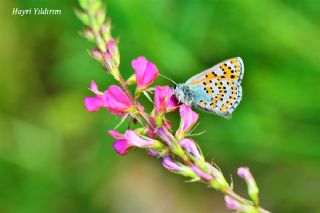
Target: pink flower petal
(169,164)
(202,174)
(121,146)
(153,153)
(145,71)
(93,86)
(150,74)
(135,140)
(116,101)
(190,146)
(139,65)
(233,204)
(115,134)
(119,95)
(93,104)
(162,97)
(173,104)
(189,117)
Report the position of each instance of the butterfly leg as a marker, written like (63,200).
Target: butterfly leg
(189,101)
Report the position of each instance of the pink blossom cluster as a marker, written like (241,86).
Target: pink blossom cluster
(180,154)
(116,101)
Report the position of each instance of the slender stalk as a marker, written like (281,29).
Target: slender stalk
(94,11)
(126,89)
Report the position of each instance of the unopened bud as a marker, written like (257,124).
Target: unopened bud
(218,182)
(84,4)
(177,167)
(100,17)
(105,31)
(234,205)
(96,54)
(88,34)
(131,80)
(252,187)
(83,17)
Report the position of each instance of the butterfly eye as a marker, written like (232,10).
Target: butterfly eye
(174,87)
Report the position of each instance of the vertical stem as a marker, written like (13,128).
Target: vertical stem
(125,87)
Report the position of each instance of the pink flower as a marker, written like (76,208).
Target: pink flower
(116,101)
(164,102)
(145,71)
(191,147)
(188,120)
(131,139)
(94,103)
(161,98)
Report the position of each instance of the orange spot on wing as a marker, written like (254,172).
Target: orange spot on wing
(224,107)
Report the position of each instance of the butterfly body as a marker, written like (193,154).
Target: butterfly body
(216,90)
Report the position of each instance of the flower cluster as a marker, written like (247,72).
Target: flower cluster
(116,101)
(152,131)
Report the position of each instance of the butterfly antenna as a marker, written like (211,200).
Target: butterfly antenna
(168,79)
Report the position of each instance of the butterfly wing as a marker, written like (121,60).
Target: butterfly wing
(229,69)
(218,89)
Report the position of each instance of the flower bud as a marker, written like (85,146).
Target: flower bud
(178,168)
(201,174)
(234,205)
(84,4)
(190,146)
(82,16)
(88,34)
(218,182)
(105,31)
(100,17)
(96,54)
(253,190)
(153,152)
(131,80)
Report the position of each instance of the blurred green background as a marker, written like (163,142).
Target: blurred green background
(57,157)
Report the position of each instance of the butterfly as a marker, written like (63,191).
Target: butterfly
(217,89)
